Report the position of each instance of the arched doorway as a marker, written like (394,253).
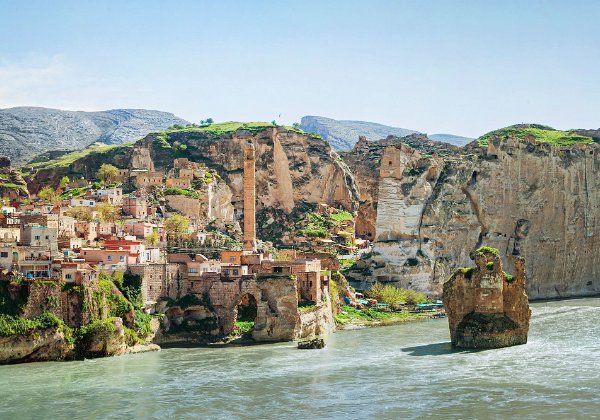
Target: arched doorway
(245,315)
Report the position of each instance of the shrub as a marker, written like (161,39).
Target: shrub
(392,295)
(12,325)
(487,250)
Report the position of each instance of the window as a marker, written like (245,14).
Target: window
(232,259)
(236,272)
(192,270)
(47,237)
(109,258)
(68,276)
(121,258)
(37,237)
(4,254)
(277,269)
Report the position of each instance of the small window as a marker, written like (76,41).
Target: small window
(47,237)
(68,276)
(236,272)
(121,258)
(4,254)
(231,259)
(37,238)
(109,258)
(277,269)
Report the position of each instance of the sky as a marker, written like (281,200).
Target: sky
(459,67)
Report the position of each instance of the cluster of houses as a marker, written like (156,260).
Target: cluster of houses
(44,241)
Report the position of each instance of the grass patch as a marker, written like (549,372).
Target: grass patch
(350,315)
(538,133)
(67,159)
(181,191)
(243,327)
(223,128)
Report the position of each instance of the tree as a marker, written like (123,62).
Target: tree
(108,173)
(177,224)
(48,194)
(107,212)
(81,213)
(153,238)
(296,126)
(64,181)
(209,121)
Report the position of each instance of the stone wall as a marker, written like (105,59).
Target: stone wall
(277,305)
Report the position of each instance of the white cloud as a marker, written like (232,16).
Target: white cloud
(55,82)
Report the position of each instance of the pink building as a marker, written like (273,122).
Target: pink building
(139,229)
(136,207)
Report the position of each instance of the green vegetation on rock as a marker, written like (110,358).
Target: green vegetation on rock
(181,191)
(539,133)
(12,325)
(68,158)
(486,250)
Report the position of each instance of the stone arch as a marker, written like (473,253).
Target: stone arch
(245,313)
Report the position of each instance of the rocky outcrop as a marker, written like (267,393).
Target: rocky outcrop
(28,131)
(37,346)
(486,307)
(103,338)
(12,184)
(316,321)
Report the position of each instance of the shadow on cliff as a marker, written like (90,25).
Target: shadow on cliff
(437,349)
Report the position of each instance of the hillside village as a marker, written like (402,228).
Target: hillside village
(153,229)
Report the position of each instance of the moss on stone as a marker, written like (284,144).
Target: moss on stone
(487,250)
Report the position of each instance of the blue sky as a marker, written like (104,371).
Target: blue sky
(461,67)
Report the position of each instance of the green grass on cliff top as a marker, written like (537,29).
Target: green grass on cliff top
(538,133)
(232,126)
(68,158)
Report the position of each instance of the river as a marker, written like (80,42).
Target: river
(402,371)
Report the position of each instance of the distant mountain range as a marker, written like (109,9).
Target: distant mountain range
(28,131)
(343,134)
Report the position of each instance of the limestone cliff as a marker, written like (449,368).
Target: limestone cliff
(520,194)
(486,307)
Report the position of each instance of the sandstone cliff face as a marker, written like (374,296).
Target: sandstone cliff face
(317,321)
(524,198)
(38,346)
(291,167)
(486,307)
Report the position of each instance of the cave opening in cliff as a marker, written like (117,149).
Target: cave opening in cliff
(245,314)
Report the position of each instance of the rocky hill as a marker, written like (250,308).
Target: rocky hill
(294,170)
(529,191)
(343,134)
(28,131)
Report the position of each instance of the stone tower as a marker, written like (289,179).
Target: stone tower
(249,198)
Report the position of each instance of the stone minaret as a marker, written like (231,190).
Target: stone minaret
(249,198)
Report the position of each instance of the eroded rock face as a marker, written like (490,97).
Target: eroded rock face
(486,307)
(38,346)
(108,339)
(524,198)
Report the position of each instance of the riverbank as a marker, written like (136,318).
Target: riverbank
(351,318)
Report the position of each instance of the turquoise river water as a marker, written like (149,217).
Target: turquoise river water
(403,371)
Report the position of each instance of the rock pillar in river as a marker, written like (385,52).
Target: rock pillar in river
(486,307)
